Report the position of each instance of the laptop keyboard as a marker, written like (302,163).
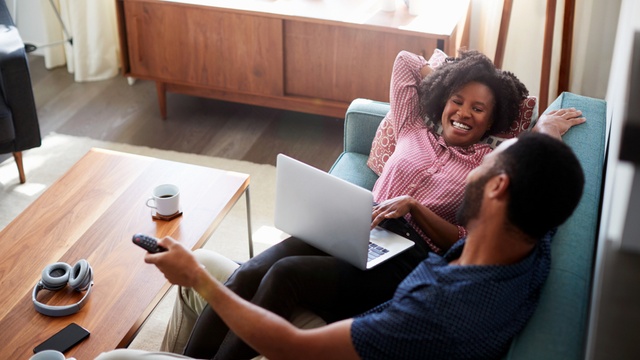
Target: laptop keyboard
(375,251)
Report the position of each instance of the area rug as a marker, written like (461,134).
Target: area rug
(59,152)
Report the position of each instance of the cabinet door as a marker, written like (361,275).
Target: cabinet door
(204,46)
(343,63)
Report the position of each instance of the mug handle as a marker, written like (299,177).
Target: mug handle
(147,203)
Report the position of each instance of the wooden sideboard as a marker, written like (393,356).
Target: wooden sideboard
(312,56)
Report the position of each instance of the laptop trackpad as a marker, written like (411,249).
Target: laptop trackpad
(394,243)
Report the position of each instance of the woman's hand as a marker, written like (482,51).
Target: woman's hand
(391,209)
(557,122)
(440,231)
(426,70)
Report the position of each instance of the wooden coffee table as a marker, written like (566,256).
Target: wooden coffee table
(91,213)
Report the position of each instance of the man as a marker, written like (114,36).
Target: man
(468,303)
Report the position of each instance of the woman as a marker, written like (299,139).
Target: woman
(470,99)
(422,182)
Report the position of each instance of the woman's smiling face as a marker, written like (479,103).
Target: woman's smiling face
(468,114)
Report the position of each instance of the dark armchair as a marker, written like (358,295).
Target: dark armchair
(19,128)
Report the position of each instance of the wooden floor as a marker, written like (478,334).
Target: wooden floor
(113,110)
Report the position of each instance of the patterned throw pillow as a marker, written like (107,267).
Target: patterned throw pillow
(527,115)
(383,145)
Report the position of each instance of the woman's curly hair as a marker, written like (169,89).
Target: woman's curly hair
(473,66)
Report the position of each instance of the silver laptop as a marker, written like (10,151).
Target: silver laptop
(331,214)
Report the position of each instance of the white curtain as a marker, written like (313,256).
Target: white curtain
(485,23)
(92,26)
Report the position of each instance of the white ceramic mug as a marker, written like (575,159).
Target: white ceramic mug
(49,355)
(165,199)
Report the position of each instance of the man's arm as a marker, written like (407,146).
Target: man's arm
(265,331)
(557,122)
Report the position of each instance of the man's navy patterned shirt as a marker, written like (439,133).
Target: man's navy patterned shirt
(443,311)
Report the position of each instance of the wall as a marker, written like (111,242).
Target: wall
(524,39)
(595,30)
(615,308)
(620,174)
(30,20)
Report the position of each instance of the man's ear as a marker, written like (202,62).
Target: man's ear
(497,186)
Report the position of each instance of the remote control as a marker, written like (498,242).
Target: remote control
(148,243)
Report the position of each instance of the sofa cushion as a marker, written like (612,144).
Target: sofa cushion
(352,167)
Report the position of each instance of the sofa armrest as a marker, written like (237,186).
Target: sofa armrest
(16,92)
(360,125)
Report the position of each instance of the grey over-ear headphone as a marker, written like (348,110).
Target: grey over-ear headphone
(55,277)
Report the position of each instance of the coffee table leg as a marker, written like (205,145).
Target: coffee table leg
(247,197)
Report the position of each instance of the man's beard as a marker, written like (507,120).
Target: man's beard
(472,200)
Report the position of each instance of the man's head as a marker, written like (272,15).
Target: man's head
(544,183)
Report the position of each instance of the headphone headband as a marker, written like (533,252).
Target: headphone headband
(56,311)
(80,277)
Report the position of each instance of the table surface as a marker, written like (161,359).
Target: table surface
(91,213)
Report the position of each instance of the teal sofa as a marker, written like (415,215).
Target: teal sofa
(557,330)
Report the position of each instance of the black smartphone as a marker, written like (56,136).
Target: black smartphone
(64,339)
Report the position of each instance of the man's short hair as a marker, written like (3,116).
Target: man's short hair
(546,182)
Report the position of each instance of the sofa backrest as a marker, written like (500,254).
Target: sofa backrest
(557,329)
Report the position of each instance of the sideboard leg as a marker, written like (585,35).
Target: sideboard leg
(161,89)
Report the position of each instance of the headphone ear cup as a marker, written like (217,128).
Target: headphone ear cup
(55,276)
(81,276)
